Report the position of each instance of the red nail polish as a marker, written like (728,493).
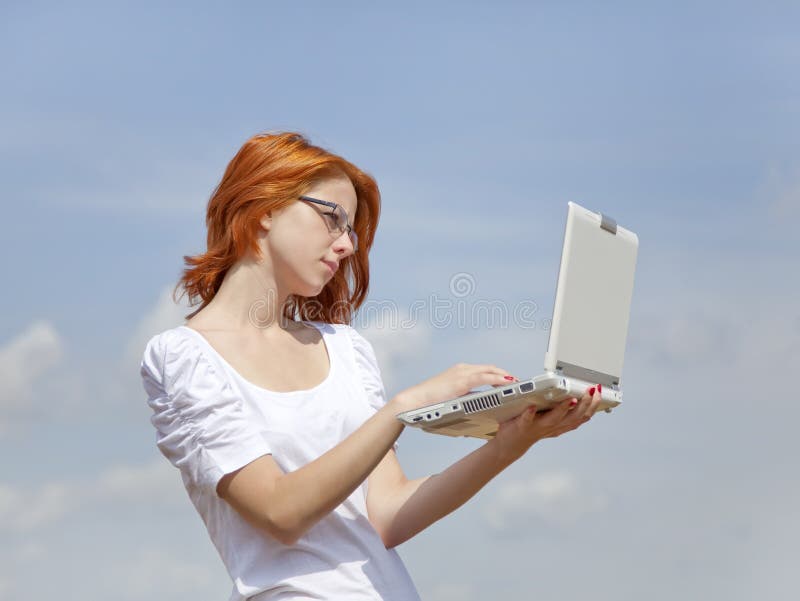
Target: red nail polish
(573,402)
(591,391)
(509,378)
(600,388)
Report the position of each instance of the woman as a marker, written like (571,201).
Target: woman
(273,408)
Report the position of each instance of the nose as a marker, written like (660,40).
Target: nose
(343,245)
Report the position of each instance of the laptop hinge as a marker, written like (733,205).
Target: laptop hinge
(587,375)
(608,224)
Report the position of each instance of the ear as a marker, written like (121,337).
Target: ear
(266,220)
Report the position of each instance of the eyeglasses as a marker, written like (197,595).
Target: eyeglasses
(336,219)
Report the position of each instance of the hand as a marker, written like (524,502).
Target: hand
(516,436)
(451,383)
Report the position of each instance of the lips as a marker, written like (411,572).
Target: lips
(332,265)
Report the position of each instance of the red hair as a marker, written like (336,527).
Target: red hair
(269,172)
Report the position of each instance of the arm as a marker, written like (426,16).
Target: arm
(286,505)
(400,508)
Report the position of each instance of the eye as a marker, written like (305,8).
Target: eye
(333,220)
(341,218)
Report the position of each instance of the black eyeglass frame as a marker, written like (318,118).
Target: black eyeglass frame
(347,228)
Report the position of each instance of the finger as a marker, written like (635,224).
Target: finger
(482,367)
(524,421)
(594,402)
(529,415)
(478,375)
(572,421)
(492,380)
(598,398)
(566,406)
(586,401)
(557,413)
(567,428)
(495,378)
(493,369)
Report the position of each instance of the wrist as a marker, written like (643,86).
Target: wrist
(399,403)
(505,453)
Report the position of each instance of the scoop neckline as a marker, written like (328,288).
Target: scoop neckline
(289,393)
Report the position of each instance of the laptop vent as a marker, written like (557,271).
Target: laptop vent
(482,402)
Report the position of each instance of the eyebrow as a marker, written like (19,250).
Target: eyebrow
(330,202)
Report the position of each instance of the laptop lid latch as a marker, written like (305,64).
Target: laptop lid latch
(608,224)
(587,375)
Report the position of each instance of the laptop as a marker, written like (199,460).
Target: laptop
(587,336)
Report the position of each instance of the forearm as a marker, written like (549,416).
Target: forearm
(422,502)
(301,498)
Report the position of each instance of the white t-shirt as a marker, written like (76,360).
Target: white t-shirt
(210,421)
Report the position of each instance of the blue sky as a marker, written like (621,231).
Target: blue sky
(480,121)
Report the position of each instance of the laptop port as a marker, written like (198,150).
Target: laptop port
(417,419)
(526,387)
(508,391)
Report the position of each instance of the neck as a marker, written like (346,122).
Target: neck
(249,298)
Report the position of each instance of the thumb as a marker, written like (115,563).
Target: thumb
(529,415)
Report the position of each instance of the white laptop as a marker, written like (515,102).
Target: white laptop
(587,335)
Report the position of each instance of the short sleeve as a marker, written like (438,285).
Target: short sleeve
(370,373)
(367,367)
(202,426)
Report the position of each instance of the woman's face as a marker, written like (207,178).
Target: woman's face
(305,251)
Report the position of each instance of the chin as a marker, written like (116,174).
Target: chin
(310,283)
(311,289)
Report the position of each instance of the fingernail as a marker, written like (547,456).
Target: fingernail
(573,402)
(509,378)
(600,388)
(591,391)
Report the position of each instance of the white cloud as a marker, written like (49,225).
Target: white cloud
(556,498)
(10,503)
(452,592)
(137,482)
(728,335)
(163,315)
(29,509)
(157,573)
(32,551)
(782,192)
(24,359)
(26,510)
(396,340)
(772,549)
(689,333)
(685,336)
(49,503)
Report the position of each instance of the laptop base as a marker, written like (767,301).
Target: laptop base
(480,414)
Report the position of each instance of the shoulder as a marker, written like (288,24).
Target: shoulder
(167,343)
(348,340)
(169,355)
(346,333)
